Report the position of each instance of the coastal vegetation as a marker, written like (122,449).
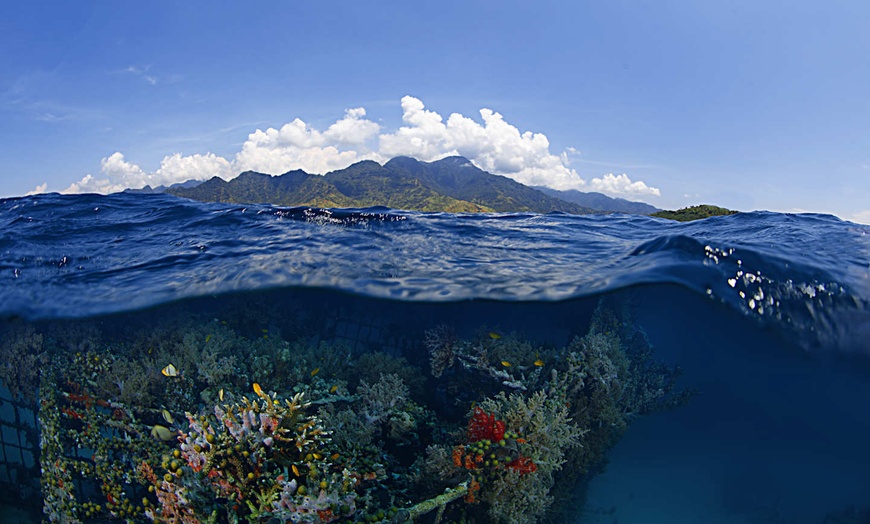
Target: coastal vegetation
(700,212)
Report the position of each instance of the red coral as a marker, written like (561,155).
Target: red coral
(522,465)
(484,427)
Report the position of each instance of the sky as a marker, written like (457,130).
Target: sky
(745,104)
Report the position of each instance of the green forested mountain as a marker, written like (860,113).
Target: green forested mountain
(600,201)
(452,184)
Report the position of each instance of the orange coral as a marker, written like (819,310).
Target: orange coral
(457,456)
(473,487)
(522,465)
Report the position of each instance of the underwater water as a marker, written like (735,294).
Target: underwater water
(173,361)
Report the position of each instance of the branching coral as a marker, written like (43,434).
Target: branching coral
(264,457)
(387,406)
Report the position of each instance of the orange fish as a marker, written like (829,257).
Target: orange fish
(258,390)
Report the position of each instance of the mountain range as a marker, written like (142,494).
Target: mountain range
(452,184)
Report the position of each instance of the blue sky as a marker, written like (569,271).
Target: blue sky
(744,104)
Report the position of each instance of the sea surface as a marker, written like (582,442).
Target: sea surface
(766,315)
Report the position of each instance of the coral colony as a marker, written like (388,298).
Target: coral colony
(200,421)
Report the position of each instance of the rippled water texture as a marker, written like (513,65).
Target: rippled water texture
(807,274)
(766,314)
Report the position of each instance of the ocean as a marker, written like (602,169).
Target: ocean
(175,361)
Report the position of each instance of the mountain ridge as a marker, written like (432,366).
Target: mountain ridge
(452,184)
(600,201)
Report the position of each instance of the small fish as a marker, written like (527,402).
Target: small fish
(539,362)
(333,389)
(221,394)
(207,338)
(169,371)
(258,390)
(520,440)
(315,371)
(264,330)
(163,433)
(295,470)
(317,456)
(505,363)
(167,416)
(334,456)
(493,335)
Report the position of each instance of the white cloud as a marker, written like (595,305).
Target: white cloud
(491,144)
(622,185)
(861,217)
(41,188)
(495,146)
(118,174)
(177,168)
(299,146)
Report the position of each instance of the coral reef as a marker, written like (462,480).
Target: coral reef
(199,419)
(259,459)
(22,357)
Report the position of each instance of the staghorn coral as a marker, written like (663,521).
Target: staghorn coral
(381,451)
(542,421)
(370,366)
(258,459)
(387,406)
(351,432)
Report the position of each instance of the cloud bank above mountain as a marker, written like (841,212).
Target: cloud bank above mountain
(491,144)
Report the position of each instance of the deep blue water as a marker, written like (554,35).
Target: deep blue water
(806,275)
(766,313)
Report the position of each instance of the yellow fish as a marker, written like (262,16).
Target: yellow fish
(334,456)
(167,416)
(333,389)
(163,433)
(539,362)
(207,338)
(264,330)
(221,394)
(258,390)
(169,371)
(505,363)
(295,470)
(493,335)
(315,371)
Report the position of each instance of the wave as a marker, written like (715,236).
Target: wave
(85,255)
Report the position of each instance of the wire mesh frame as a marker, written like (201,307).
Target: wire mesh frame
(19,451)
(20,470)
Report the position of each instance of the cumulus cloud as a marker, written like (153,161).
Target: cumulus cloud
(495,146)
(490,143)
(299,146)
(116,174)
(41,188)
(622,185)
